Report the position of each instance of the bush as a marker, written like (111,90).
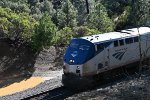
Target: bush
(44,33)
(84,31)
(16,26)
(63,36)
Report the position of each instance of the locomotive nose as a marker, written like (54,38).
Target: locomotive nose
(74,69)
(77,54)
(79,51)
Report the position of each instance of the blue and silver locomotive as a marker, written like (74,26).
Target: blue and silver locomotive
(91,55)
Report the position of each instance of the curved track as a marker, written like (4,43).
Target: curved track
(55,94)
(61,93)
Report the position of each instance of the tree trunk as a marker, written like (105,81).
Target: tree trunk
(87,6)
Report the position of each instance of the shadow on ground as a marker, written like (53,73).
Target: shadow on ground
(16,62)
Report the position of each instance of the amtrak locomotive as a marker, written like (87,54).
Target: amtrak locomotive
(91,55)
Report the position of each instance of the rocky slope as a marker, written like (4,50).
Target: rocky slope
(133,87)
(20,60)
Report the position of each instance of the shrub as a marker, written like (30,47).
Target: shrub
(84,31)
(63,36)
(44,33)
(16,26)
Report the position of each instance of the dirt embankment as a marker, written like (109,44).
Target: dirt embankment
(14,57)
(21,58)
(51,58)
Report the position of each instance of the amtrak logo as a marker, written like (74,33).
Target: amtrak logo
(119,55)
(75,53)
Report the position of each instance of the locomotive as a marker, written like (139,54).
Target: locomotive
(89,56)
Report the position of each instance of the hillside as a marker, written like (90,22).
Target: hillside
(42,23)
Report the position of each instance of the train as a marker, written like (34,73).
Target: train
(90,56)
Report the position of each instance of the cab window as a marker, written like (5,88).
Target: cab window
(121,42)
(100,47)
(116,43)
(129,40)
(136,39)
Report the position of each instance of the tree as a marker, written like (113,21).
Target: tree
(44,33)
(40,8)
(98,18)
(140,12)
(13,25)
(64,36)
(67,15)
(48,7)
(81,7)
(17,6)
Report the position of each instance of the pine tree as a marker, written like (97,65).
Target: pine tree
(48,7)
(140,12)
(98,18)
(81,6)
(67,15)
(44,32)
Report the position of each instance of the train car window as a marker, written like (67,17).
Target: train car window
(121,42)
(136,39)
(100,47)
(107,44)
(129,40)
(116,43)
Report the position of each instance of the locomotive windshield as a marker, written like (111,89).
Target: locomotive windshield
(79,51)
(79,46)
(84,47)
(74,45)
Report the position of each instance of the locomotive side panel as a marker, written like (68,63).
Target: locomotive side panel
(91,67)
(145,45)
(124,54)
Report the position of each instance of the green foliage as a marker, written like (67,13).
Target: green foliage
(84,31)
(15,5)
(63,36)
(19,17)
(14,25)
(39,8)
(82,12)
(67,15)
(44,33)
(98,19)
(48,7)
(122,19)
(116,7)
(140,12)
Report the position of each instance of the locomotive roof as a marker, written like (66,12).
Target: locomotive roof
(117,35)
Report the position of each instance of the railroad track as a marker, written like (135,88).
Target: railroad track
(59,93)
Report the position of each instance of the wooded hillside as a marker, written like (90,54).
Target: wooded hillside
(42,23)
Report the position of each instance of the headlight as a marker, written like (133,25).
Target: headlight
(71,61)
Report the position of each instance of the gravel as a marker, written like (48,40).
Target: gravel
(131,88)
(54,81)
